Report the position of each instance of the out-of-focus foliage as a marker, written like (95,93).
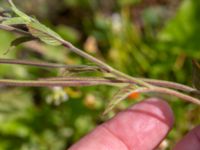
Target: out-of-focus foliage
(149,38)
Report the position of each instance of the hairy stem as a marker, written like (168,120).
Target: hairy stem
(103,65)
(169,84)
(154,82)
(93,68)
(47,65)
(149,85)
(169,92)
(81,53)
(50,83)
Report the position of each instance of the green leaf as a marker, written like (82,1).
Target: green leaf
(19,41)
(44,33)
(18,12)
(35,27)
(119,96)
(14,21)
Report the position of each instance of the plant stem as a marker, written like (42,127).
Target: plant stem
(169,92)
(103,65)
(48,65)
(169,84)
(157,90)
(50,83)
(147,83)
(93,68)
(154,82)
(13,29)
(81,53)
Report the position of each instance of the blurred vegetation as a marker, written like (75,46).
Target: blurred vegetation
(144,38)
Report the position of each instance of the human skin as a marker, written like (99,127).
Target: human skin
(140,127)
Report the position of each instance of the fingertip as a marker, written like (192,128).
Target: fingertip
(159,107)
(143,125)
(190,141)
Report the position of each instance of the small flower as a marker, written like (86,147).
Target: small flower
(57,97)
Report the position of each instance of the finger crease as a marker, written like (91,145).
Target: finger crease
(121,140)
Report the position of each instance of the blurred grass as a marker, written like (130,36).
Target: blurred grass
(153,39)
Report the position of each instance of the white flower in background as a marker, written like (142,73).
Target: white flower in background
(116,22)
(57,97)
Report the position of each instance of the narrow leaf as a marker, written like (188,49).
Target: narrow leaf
(18,12)
(119,96)
(34,26)
(19,41)
(44,33)
(14,21)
